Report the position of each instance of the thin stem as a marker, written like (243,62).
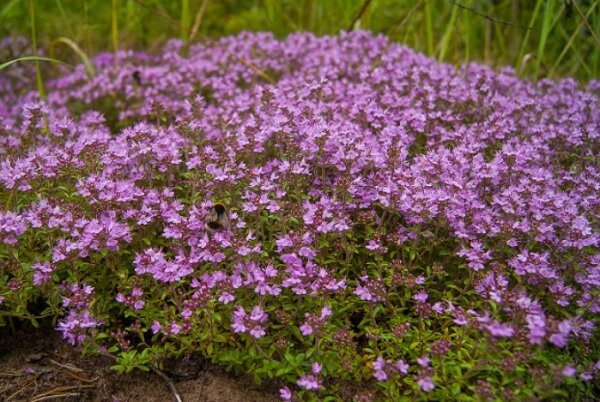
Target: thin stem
(38,72)
(198,20)
(429,27)
(185,21)
(115,30)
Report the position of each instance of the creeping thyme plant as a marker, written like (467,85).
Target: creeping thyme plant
(400,229)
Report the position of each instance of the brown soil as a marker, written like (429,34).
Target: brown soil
(36,365)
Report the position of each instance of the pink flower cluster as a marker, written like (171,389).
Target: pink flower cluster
(253,323)
(79,321)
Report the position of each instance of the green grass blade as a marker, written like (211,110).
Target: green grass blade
(186,20)
(536,10)
(114,29)
(571,40)
(594,58)
(7,8)
(448,34)
(546,28)
(579,60)
(38,72)
(500,40)
(429,27)
(63,15)
(89,67)
(31,58)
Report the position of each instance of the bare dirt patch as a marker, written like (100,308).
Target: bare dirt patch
(36,365)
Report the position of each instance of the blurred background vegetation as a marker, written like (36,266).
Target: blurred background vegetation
(539,38)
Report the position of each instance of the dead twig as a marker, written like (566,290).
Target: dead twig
(12,374)
(160,11)
(359,15)
(394,32)
(59,392)
(45,398)
(488,17)
(255,69)
(4,390)
(198,20)
(587,24)
(78,378)
(73,372)
(156,370)
(20,391)
(63,388)
(247,63)
(176,396)
(67,366)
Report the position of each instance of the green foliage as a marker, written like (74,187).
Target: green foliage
(132,360)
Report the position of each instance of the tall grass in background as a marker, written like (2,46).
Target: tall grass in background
(540,38)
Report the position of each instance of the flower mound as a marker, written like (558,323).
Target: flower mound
(420,230)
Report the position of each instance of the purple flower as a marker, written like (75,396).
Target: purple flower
(257,331)
(363,293)
(155,263)
(74,327)
(459,318)
(426,384)
(258,315)
(42,272)
(174,328)
(402,367)
(325,313)
(306,329)
(423,361)
(558,340)
(285,394)
(421,297)
(380,375)
(226,298)
(379,366)
(12,226)
(238,320)
(537,328)
(370,290)
(316,368)
(569,371)
(500,330)
(156,327)
(309,382)
(438,307)
(253,323)
(284,243)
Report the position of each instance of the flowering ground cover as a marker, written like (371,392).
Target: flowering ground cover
(399,229)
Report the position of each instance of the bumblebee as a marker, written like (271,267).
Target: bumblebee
(218,218)
(137,77)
